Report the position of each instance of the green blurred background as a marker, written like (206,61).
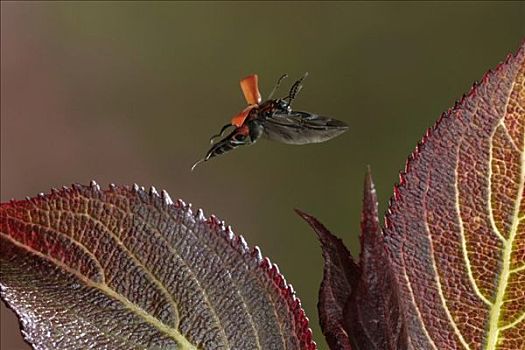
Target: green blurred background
(131,92)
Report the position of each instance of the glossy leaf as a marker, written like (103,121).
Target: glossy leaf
(126,269)
(455,230)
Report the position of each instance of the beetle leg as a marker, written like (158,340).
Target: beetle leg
(294,90)
(224,128)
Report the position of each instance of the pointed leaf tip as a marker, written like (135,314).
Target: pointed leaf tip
(375,296)
(369,215)
(318,228)
(359,304)
(340,276)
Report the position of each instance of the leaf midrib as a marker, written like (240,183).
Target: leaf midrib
(495,311)
(172,332)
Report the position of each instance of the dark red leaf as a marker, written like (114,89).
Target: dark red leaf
(372,315)
(127,269)
(358,304)
(455,230)
(339,278)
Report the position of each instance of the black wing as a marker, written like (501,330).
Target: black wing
(299,128)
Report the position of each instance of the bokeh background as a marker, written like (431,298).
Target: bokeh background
(130,92)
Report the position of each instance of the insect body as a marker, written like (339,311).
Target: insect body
(275,119)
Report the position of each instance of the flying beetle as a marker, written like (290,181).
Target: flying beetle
(275,119)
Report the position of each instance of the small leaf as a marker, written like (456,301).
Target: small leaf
(372,315)
(455,230)
(358,304)
(339,278)
(126,269)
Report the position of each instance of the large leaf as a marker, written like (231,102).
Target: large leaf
(455,230)
(126,269)
(358,303)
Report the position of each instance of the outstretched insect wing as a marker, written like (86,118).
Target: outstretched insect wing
(300,128)
(250,89)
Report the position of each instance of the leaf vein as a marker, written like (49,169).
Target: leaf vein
(203,291)
(489,189)
(514,323)
(506,131)
(121,244)
(495,313)
(139,262)
(413,299)
(82,247)
(112,294)
(517,269)
(436,273)
(245,305)
(464,249)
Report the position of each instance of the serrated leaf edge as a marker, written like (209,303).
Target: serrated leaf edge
(494,319)
(237,242)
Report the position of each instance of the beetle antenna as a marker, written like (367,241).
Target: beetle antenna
(202,160)
(284,76)
(294,90)
(220,134)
